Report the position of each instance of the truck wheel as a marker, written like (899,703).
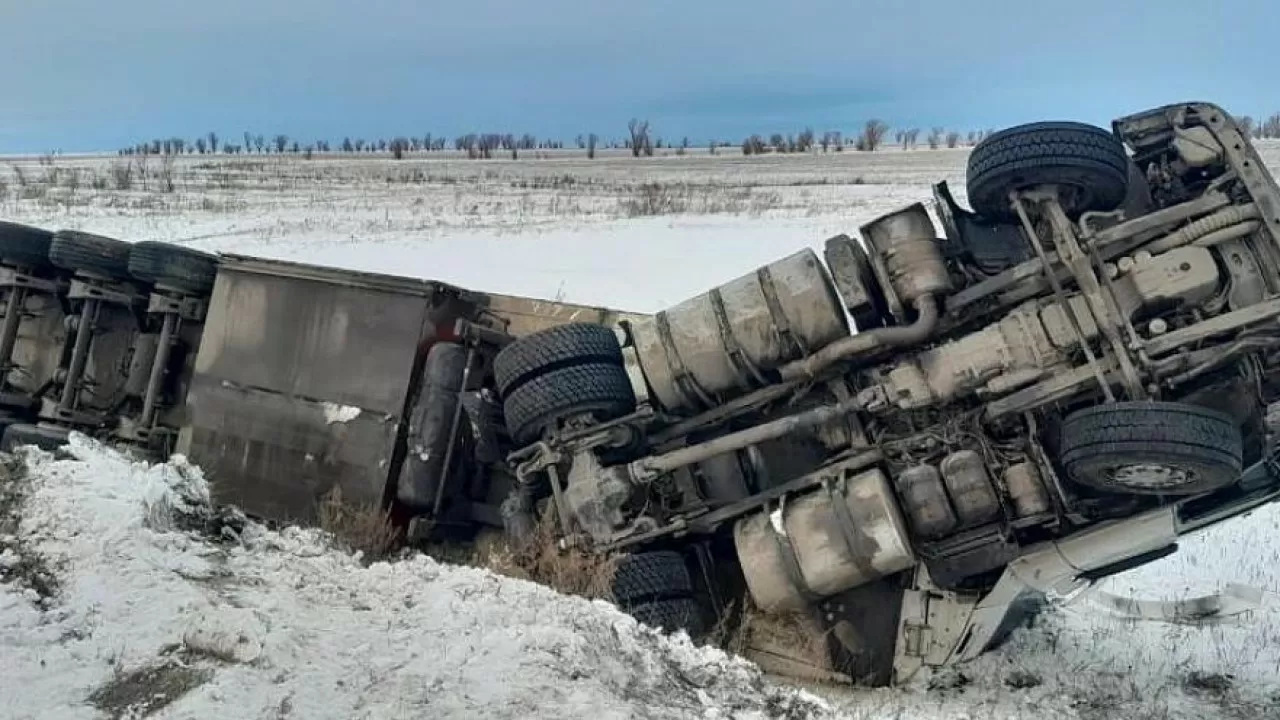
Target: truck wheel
(24,245)
(655,588)
(1088,163)
(671,616)
(80,251)
(1151,448)
(650,575)
(555,347)
(539,404)
(181,268)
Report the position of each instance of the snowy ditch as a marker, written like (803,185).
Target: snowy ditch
(149,617)
(124,595)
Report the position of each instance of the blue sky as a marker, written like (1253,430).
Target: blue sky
(91,74)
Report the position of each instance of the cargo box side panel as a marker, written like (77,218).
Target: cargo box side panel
(277,456)
(313,339)
(300,386)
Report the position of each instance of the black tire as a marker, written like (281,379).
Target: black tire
(602,389)
(671,616)
(24,246)
(45,437)
(1088,160)
(1151,448)
(651,576)
(174,266)
(83,252)
(553,348)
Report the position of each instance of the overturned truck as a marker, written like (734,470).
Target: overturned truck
(902,451)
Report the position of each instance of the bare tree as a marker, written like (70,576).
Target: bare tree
(935,138)
(753,145)
(200,145)
(592,139)
(248,141)
(898,137)
(973,137)
(1271,126)
(1246,124)
(640,141)
(282,141)
(398,148)
(911,136)
(779,142)
(953,139)
(804,141)
(872,136)
(213,142)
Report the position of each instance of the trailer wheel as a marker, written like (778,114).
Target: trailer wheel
(671,616)
(651,575)
(24,246)
(84,252)
(541,403)
(556,347)
(178,267)
(1088,163)
(655,588)
(1152,448)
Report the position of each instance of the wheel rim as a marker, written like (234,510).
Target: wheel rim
(1151,476)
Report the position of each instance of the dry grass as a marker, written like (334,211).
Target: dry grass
(365,527)
(573,571)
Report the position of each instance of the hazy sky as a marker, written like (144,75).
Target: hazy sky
(99,74)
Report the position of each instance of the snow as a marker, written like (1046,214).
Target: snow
(335,413)
(278,624)
(280,619)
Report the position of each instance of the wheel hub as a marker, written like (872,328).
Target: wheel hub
(1151,476)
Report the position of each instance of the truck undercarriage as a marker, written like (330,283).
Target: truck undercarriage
(903,448)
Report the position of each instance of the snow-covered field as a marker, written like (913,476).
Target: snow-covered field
(278,625)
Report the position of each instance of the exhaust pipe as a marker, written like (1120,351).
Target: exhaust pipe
(865,342)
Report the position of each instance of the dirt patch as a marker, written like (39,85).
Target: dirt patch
(142,692)
(20,564)
(1208,683)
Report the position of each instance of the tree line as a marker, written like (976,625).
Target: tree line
(639,140)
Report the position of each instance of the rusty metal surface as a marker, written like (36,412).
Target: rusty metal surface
(726,341)
(523,316)
(38,346)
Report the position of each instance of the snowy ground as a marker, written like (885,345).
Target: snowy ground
(278,626)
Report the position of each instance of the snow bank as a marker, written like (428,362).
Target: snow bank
(280,624)
(121,592)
